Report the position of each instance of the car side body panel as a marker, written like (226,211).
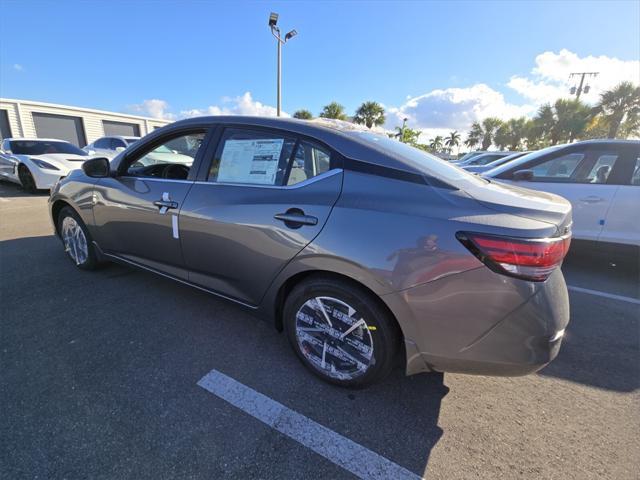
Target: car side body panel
(231,240)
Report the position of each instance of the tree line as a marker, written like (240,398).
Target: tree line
(615,115)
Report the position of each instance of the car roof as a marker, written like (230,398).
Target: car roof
(121,137)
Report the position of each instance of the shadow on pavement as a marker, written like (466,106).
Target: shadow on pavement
(13,190)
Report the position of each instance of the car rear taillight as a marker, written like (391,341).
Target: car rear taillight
(529,259)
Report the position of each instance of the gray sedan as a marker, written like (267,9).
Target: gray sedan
(359,247)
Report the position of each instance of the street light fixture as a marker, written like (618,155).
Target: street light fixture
(275,31)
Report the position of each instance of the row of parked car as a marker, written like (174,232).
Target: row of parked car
(601,178)
(358,246)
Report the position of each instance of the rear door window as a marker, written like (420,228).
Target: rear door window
(309,161)
(601,169)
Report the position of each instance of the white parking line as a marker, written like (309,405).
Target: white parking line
(345,453)
(604,294)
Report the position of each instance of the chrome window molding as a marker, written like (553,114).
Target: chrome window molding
(304,183)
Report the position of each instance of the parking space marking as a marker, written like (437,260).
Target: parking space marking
(604,294)
(345,453)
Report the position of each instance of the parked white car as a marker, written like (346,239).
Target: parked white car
(110,146)
(601,179)
(38,163)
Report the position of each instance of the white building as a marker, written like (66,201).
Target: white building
(80,126)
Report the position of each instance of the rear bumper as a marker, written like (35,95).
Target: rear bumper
(480,322)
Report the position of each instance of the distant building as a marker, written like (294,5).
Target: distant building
(80,126)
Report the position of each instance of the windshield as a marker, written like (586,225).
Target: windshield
(484,159)
(467,156)
(42,147)
(506,159)
(523,159)
(419,159)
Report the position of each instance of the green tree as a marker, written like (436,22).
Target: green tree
(303,114)
(485,131)
(333,110)
(563,121)
(452,140)
(471,141)
(407,135)
(618,105)
(511,133)
(436,143)
(370,114)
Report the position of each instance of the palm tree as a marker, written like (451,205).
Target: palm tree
(622,100)
(408,135)
(435,144)
(370,114)
(453,140)
(303,114)
(471,141)
(485,131)
(333,110)
(511,133)
(563,121)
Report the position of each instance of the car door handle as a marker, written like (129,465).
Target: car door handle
(165,203)
(295,218)
(592,199)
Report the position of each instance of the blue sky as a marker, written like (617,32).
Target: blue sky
(190,55)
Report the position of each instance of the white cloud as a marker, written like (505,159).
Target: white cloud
(240,105)
(444,110)
(153,108)
(549,78)
(18,67)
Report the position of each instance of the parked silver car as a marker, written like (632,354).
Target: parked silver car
(110,146)
(358,246)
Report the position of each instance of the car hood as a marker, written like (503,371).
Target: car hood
(523,202)
(67,160)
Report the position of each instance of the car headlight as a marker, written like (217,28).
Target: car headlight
(43,164)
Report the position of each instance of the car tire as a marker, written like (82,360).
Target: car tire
(26,179)
(365,356)
(76,239)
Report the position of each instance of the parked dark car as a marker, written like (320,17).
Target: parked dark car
(358,246)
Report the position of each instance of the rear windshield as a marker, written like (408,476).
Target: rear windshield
(420,160)
(42,147)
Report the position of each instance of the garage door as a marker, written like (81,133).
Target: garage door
(121,128)
(60,126)
(5,128)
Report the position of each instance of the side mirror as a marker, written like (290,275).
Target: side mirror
(523,176)
(120,149)
(97,168)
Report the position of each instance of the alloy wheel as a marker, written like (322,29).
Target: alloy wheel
(334,338)
(75,242)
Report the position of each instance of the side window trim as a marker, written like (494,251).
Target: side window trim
(140,150)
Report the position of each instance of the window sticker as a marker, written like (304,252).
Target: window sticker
(250,161)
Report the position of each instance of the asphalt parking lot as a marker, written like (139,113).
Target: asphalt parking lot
(99,377)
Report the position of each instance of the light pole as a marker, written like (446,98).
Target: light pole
(275,31)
